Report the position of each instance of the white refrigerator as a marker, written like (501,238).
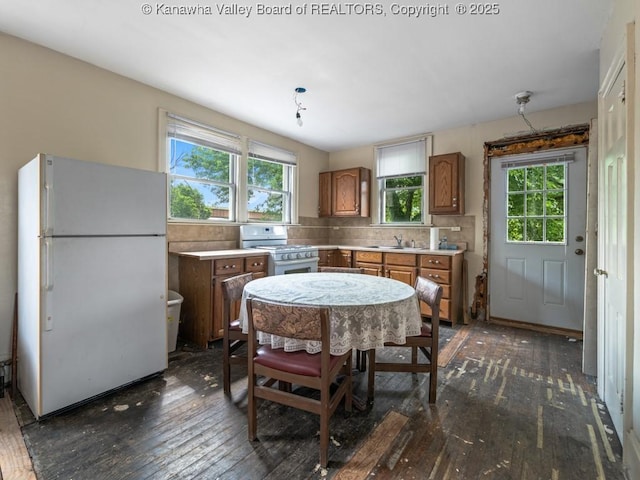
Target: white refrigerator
(92,280)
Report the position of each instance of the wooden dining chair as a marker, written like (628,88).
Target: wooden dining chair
(233,338)
(427,342)
(315,371)
(341,269)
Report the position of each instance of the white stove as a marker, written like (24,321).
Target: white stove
(283,258)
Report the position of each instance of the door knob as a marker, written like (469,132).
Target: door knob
(579,251)
(599,271)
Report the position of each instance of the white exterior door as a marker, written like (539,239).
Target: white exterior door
(613,250)
(538,222)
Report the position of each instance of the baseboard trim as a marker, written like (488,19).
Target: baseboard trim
(566,332)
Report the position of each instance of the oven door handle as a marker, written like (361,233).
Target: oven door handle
(297,261)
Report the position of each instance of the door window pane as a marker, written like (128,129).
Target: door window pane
(535,177)
(536,203)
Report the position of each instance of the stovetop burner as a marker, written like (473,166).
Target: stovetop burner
(284,247)
(273,238)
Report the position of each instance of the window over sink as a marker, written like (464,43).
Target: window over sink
(401,172)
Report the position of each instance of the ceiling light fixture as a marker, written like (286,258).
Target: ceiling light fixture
(299,90)
(522,98)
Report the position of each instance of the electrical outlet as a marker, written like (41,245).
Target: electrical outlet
(455,229)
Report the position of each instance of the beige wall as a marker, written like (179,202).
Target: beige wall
(54,104)
(470,141)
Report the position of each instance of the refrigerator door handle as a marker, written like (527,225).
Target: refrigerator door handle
(48,265)
(48,283)
(48,199)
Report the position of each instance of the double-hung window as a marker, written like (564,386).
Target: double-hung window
(270,183)
(401,173)
(202,165)
(219,176)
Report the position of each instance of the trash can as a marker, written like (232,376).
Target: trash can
(174,300)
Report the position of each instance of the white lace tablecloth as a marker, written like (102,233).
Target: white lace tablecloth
(365,311)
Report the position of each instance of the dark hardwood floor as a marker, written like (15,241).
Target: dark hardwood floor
(512,404)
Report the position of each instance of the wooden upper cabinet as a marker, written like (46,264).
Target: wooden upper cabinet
(345,193)
(325,194)
(446,184)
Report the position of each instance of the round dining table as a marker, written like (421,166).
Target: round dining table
(365,311)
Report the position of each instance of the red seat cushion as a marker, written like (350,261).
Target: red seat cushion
(425,330)
(298,363)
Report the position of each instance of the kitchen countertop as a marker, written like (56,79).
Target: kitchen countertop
(389,249)
(216,254)
(255,252)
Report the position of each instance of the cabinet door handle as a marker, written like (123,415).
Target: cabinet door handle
(434,276)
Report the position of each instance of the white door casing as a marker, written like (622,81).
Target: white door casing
(539,283)
(613,246)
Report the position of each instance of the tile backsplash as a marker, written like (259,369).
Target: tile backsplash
(187,237)
(322,231)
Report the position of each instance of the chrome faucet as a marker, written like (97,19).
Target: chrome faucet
(398,239)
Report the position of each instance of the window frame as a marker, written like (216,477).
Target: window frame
(239,175)
(262,152)
(412,168)
(508,167)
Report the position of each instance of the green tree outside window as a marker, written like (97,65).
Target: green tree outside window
(536,204)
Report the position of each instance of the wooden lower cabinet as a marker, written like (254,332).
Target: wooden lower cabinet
(404,267)
(371,262)
(342,258)
(201,287)
(334,258)
(447,271)
(399,266)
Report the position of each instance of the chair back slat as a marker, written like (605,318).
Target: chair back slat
(291,321)
(232,287)
(430,293)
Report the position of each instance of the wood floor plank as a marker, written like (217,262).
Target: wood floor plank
(15,462)
(450,347)
(373,449)
(500,388)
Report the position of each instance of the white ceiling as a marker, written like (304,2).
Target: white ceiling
(369,78)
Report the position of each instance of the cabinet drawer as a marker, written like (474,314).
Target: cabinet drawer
(438,276)
(226,266)
(370,257)
(255,264)
(436,261)
(370,268)
(445,306)
(407,259)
